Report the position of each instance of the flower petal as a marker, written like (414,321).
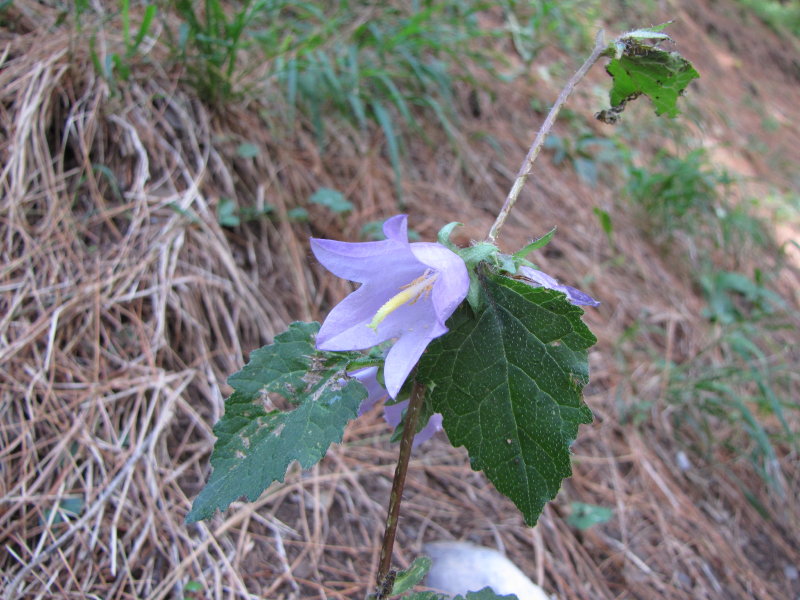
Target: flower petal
(539,277)
(363,261)
(433,426)
(393,414)
(575,296)
(405,353)
(375,391)
(396,228)
(347,325)
(452,285)
(579,298)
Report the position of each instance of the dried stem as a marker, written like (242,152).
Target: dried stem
(527,164)
(409,430)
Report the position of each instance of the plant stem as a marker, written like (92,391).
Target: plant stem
(527,164)
(409,430)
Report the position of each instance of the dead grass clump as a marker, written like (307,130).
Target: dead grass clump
(124,304)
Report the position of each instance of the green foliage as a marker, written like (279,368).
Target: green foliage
(255,445)
(532,25)
(743,378)
(677,192)
(333,200)
(638,68)
(782,16)
(735,298)
(591,156)
(229,214)
(226,213)
(193,586)
(115,65)
(583,516)
(606,224)
(248,150)
(535,245)
(405,580)
(208,43)
(508,383)
(67,509)
(661,76)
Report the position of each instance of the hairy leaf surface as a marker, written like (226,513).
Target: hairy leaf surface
(661,76)
(255,445)
(509,385)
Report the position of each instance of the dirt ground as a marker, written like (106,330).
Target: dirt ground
(124,305)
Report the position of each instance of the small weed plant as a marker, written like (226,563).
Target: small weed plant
(472,340)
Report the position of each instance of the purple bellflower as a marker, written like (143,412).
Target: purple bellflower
(407,293)
(393,413)
(539,278)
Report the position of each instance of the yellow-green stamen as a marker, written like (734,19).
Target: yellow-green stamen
(411,292)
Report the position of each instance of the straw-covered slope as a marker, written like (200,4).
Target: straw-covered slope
(127,297)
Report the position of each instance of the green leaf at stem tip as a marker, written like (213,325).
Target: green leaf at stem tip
(255,446)
(509,382)
(662,76)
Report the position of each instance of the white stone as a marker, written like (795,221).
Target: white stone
(460,567)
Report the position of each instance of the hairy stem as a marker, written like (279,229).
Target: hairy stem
(527,164)
(409,430)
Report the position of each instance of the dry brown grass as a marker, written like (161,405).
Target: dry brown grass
(124,305)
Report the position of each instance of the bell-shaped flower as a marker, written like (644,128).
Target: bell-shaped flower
(407,293)
(393,413)
(539,278)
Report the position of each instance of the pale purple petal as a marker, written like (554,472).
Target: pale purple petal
(394,414)
(405,353)
(424,282)
(574,295)
(579,298)
(450,288)
(361,262)
(539,277)
(433,426)
(347,325)
(375,391)
(396,228)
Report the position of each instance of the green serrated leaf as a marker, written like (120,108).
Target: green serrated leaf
(332,199)
(255,446)
(661,76)
(407,579)
(509,384)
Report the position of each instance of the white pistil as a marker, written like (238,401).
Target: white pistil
(411,292)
